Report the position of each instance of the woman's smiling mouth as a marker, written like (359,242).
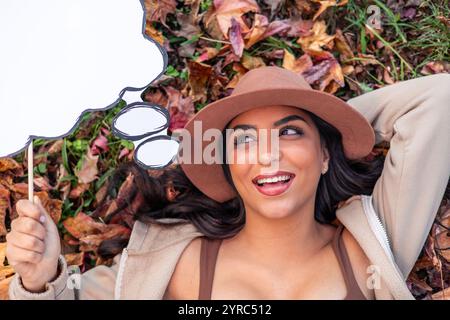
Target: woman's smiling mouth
(273,184)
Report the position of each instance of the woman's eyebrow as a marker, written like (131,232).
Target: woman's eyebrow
(276,123)
(289,118)
(243,127)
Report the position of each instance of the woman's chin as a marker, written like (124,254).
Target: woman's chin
(275,212)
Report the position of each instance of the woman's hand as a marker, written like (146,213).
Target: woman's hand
(33,245)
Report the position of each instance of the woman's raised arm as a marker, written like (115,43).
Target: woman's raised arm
(414,116)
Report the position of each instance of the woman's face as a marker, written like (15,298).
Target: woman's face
(299,158)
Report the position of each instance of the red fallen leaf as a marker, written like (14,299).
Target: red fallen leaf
(83,225)
(99,145)
(276,27)
(434,67)
(387,77)
(92,241)
(181,109)
(5,206)
(235,36)
(225,11)
(274,54)
(124,152)
(105,131)
(262,29)
(88,171)
(299,27)
(52,206)
(326,71)
(78,190)
(56,146)
(69,240)
(42,183)
(208,53)
(230,58)
(157,10)
(178,120)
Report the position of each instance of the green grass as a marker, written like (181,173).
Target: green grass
(424,33)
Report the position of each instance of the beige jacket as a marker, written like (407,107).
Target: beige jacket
(391,225)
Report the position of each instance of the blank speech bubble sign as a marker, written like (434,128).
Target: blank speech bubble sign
(61,58)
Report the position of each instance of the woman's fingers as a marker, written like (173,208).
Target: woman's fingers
(28,226)
(26,242)
(17,255)
(26,208)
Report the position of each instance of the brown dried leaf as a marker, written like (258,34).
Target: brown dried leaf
(9,164)
(318,38)
(5,206)
(259,27)
(342,46)
(92,241)
(89,170)
(324,5)
(74,259)
(250,62)
(4,287)
(76,192)
(83,225)
(157,10)
(198,75)
(299,65)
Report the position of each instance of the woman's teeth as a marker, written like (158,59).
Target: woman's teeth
(273,180)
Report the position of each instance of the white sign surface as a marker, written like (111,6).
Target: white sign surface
(61,58)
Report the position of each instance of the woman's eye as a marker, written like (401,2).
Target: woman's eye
(291,131)
(243,139)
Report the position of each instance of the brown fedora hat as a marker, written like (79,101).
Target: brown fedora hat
(265,86)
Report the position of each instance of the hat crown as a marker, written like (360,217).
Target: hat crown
(270,77)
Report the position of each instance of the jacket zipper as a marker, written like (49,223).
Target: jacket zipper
(376,225)
(123,260)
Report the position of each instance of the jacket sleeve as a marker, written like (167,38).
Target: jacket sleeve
(97,283)
(413,115)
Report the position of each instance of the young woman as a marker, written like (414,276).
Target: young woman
(312,220)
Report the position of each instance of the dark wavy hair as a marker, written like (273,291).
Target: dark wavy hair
(343,179)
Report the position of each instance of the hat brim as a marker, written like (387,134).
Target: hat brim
(358,137)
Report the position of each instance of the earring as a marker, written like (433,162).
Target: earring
(324,170)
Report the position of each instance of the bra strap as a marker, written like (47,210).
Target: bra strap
(208,257)
(353,290)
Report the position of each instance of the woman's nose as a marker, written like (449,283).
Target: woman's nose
(269,152)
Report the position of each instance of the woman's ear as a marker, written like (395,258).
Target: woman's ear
(326,156)
(326,160)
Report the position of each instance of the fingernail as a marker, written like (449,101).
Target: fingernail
(42,219)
